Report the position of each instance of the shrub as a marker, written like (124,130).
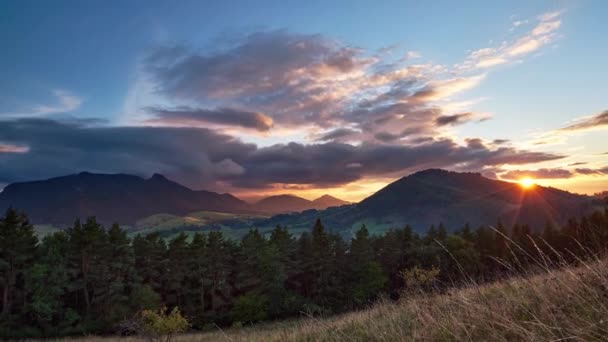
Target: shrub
(250,308)
(161,325)
(419,279)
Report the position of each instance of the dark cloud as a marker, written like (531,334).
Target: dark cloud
(597,120)
(220,116)
(500,141)
(475,143)
(589,171)
(337,134)
(577,164)
(196,157)
(538,174)
(338,163)
(454,119)
(387,137)
(201,157)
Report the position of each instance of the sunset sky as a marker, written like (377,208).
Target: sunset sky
(305,97)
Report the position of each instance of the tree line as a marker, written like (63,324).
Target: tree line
(91,279)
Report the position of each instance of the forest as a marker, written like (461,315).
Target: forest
(91,279)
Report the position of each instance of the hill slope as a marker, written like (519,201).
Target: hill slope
(554,305)
(551,306)
(111,198)
(327,201)
(434,196)
(454,199)
(289,203)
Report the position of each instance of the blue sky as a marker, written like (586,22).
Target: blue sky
(520,70)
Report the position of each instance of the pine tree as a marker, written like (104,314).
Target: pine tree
(17,252)
(87,246)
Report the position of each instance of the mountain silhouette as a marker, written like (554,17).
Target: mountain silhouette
(111,198)
(437,196)
(427,197)
(290,203)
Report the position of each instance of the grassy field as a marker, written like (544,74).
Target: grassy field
(569,304)
(234,226)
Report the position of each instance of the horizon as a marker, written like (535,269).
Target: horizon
(524,183)
(265,99)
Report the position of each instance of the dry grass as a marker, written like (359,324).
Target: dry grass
(554,305)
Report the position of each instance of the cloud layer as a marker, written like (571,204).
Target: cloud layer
(204,158)
(188,116)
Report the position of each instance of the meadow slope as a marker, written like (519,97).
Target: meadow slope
(570,303)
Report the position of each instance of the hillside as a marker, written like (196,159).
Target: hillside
(433,196)
(327,201)
(437,196)
(289,203)
(550,306)
(111,198)
(420,200)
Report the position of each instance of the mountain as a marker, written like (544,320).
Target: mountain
(434,196)
(421,199)
(327,201)
(437,196)
(290,203)
(111,198)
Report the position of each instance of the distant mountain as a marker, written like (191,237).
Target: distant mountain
(290,203)
(327,201)
(434,196)
(111,198)
(421,199)
(437,196)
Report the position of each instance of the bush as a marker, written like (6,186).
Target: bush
(416,278)
(250,308)
(160,325)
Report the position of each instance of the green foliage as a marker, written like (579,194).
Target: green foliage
(89,278)
(417,278)
(250,308)
(161,325)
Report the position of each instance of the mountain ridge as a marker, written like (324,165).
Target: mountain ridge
(427,197)
(286,203)
(117,197)
(434,196)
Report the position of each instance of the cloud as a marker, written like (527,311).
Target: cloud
(538,174)
(436,90)
(387,137)
(588,123)
(186,116)
(298,79)
(454,119)
(337,134)
(555,173)
(413,54)
(200,157)
(65,102)
(9,148)
(193,156)
(295,77)
(588,171)
(542,34)
(333,164)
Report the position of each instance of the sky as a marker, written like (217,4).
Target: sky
(305,97)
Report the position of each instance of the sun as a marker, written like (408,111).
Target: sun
(526,182)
